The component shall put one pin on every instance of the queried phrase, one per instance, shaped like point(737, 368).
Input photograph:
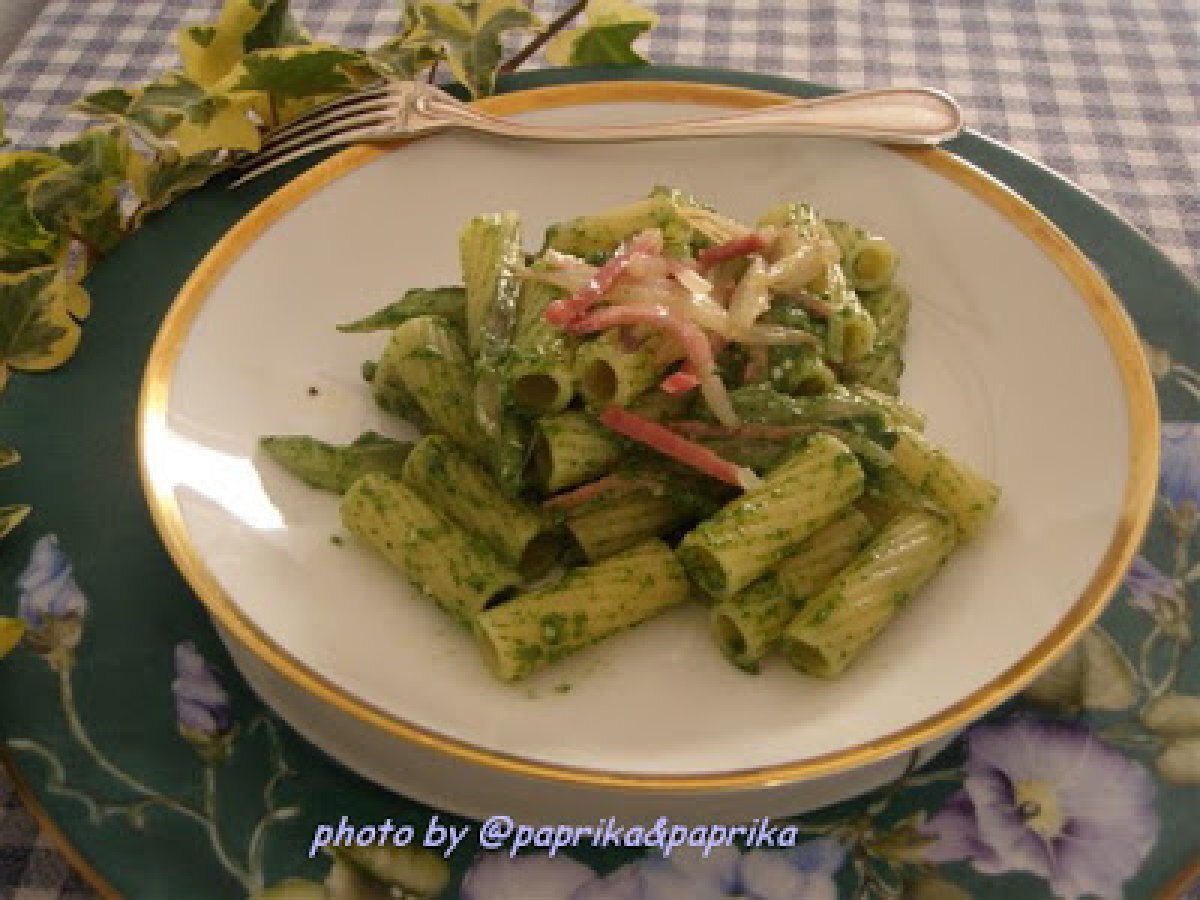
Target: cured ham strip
point(679, 448)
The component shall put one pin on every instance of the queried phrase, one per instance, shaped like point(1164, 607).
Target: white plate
point(1021, 357)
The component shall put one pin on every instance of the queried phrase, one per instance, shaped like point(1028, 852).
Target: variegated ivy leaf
point(83, 196)
point(470, 35)
point(297, 74)
point(158, 181)
point(11, 629)
point(8, 455)
point(606, 38)
point(24, 240)
point(37, 331)
point(409, 53)
point(180, 110)
point(210, 52)
point(10, 517)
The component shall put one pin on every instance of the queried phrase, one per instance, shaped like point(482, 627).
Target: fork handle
point(893, 115)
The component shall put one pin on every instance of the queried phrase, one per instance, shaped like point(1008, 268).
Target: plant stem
point(1144, 656)
point(214, 834)
point(76, 727)
point(561, 22)
point(280, 771)
point(1172, 672)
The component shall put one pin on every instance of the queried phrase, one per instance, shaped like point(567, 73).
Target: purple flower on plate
point(201, 704)
point(1159, 595)
point(50, 601)
point(47, 588)
point(805, 872)
point(1048, 798)
point(1179, 472)
point(1148, 587)
point(497, 876)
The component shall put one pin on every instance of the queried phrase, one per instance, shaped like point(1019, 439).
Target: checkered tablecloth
point(1107, 92)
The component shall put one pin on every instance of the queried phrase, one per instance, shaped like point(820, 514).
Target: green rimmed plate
point(109, 514)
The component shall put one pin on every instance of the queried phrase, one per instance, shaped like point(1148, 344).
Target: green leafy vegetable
point(450, 303)
point(607, 37)
point(333, 468)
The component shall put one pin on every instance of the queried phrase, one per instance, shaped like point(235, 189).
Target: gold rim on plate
point(1110, 317)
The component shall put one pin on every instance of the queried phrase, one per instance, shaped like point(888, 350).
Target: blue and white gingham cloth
point(1106, 92)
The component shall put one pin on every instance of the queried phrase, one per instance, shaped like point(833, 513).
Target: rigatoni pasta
point(757, 530)
point(448, 478)
point(459, 571)
point(591, 603)
point(749, 624)
point(836, 626)
point(661, 403)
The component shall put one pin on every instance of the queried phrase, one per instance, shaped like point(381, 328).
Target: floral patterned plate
point(129, 730)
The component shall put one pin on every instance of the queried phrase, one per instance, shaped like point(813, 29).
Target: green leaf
point(10, 518)
point(179, 110)
point(21, 232)
point(8, 455)
point(277, 28)
point(470, 34)
point(211, 52)
point(82, 197)
point(296, 73)
point(113, 101)
point(37, 331)
point(1179, 762)
point(402, 58)
point(1173, 714)
point(1094, 674)
point(158, 181)
point(607, 37)
point(11, 629)
point(102, 153)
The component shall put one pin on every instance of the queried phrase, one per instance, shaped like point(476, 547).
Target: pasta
point(613, 370)
point(449, 479)
point(838, 624)
point(967, 496)
point(662, 403)
point(572, 448)
point(611, 526)
point(425, 361)
point(460, 572)
point(754, 532)
point(543, 358)
point(539, 627)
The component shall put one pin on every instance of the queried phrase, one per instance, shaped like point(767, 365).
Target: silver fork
point(400, 109)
